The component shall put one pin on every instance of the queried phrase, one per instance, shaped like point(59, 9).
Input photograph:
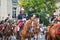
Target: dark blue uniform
point(21, 16)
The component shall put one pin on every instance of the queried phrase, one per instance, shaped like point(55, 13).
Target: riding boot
point(18, 35)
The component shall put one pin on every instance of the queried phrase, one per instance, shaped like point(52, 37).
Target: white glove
point(24, 19)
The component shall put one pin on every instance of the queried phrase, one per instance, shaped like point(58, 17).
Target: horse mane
point(58, 25)
point(26, 27)
point(55, 25)
point(27, 24)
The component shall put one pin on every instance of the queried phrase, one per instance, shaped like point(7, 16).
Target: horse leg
point(54, 38)
point(7, 38)
point(46, 36)
point(0, 38)
point(3, 37)
point(22, 38)
point(49, 37)
point(29, 38)
point(37, 37)
point(19, 38)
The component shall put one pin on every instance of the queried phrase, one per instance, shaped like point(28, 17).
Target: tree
point(41, 7)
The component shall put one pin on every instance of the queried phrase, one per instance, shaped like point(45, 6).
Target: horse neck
point(55, 25)
point(16, 26)
point(27, 25)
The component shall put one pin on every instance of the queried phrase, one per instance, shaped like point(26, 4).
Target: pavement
point(39, 37)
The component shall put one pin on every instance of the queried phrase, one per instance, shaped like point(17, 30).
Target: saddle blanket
point(58, 30)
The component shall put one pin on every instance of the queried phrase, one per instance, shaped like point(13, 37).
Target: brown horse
point(7, 30)
point(16, 27)
point(30, 28)
point(1, 31)
point(30, 25)
point(47, 35)
point(52, 31)
point(25, 31)
point(57, 32)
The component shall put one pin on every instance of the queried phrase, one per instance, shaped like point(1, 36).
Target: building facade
point(58, 6)
point(9, 8)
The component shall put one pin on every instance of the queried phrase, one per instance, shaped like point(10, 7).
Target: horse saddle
point(21, 23)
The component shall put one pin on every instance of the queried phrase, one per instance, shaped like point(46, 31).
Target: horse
point(17, 28)
point(1, 31)
point(52, 32)
point(27, 26)
point(31, 28)
point(47, 35)
point(7, 30)
point(37, 30)
point(26, 31)
point(57, 32)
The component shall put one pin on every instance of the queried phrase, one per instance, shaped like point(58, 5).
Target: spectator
point(1, 22)
point(6, 19)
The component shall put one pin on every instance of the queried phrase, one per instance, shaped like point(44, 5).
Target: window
point(14, 1)
point(14, 12)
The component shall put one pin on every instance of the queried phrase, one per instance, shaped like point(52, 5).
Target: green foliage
point(11, 21)
point(42, 7)
point(46, 5)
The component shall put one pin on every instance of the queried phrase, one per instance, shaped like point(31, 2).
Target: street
point(40, 38)
point(43, 37)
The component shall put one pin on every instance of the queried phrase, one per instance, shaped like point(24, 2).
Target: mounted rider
point(21, 20)
point(22, 17)
point(53, 17)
